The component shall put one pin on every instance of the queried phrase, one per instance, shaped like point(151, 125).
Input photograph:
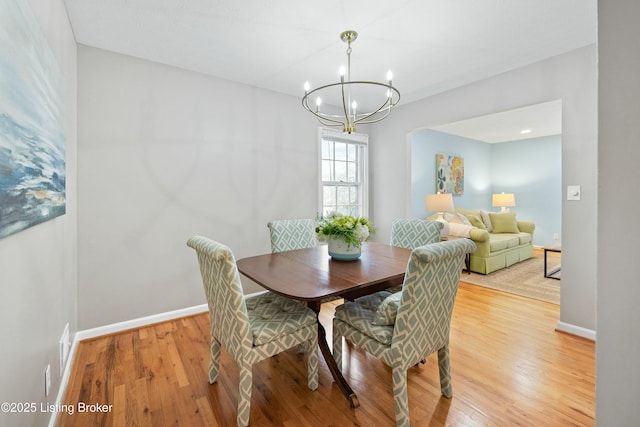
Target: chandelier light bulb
point(307, 86)
point(318, 101)
point(389, 76)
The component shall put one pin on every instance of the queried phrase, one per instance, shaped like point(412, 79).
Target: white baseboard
point(576, 330)
point(139, 322)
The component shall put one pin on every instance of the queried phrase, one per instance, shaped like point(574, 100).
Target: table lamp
point(440, 203)
point(503, 200)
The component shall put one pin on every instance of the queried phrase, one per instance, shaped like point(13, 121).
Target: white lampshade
point(440, 203)
point(503, 200)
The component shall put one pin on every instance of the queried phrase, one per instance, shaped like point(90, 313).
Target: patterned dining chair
point(410, 233)
point(250, 329)
point(408, 326)
point(291, 234)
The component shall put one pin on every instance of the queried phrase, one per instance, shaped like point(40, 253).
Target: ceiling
point(430, 45)
point(533, 121)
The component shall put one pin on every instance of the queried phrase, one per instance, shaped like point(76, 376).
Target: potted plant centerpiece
point(344, 234)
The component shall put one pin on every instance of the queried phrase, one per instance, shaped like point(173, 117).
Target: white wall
point(165, 154)
point(570, 77)
point(618, 349)
point(38, 266)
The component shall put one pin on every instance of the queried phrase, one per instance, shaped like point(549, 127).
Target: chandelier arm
point(376, 119)
point(326, 120)
point(387, 105)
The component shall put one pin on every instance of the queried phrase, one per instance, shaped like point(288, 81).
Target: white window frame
point(362, 141)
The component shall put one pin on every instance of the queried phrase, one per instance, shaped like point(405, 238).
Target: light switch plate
point(573, 192)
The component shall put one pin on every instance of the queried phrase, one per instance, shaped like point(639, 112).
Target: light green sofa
point(509, 243)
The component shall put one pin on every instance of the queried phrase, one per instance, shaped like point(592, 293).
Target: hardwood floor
point(509, 367)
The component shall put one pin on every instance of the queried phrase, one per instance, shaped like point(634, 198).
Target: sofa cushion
point(524, 238)
point(504, 222)
point(499, 242)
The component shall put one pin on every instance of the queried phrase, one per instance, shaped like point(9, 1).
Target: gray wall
point(240, 157)
point(165, 154)
point(571, 78)
point(38, 266)
point(618, 349)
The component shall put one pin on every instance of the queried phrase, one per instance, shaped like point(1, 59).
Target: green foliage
point(352, 230)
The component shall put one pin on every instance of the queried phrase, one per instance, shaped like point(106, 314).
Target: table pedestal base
point(331, 363)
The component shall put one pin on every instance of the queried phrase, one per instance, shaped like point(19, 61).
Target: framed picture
point(449, 174)
point(32, 139)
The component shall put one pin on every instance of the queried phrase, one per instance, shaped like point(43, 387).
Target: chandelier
point(347, 90)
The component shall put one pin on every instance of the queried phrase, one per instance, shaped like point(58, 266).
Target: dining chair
point(410, 233)
point(408, 326)
point(253, 328)
point(291, 234)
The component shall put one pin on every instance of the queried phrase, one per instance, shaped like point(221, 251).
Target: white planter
point(338, 249)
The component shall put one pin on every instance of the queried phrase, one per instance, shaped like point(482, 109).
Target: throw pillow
point(504, 222)
point(452, 217)
point(386, 313)
point(476, 221)
point(460, 230)
point(464, 219)
point(486, 220)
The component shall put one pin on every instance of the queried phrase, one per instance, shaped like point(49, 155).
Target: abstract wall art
point(449, 174)
point(32, 138)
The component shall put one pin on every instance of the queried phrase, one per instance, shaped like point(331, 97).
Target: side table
point(557, 247)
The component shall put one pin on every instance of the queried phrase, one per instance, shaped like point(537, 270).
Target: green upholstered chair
point(291, 234)
point(407, 327)
point(411, 233)
point(250, 329)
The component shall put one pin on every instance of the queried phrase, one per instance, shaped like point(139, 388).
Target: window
point(343, 173)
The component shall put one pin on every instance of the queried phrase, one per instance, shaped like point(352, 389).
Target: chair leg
point(214, 361)
point(445, 371)
point(312, 363)
point(337, 347)
point(244, 394)
point(400, 397)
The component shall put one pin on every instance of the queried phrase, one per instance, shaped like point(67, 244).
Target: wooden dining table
point(312, 276)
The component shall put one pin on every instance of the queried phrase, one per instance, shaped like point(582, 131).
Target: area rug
point(525, 278)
